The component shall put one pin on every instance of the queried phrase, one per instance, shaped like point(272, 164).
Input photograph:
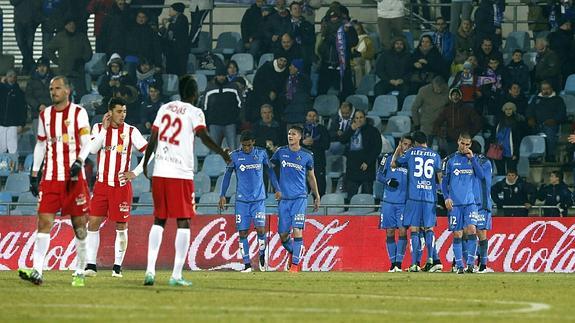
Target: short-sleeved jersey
point(482, 187)
point(249, 170)
point(394, 195)
point(176, 124)
point(61, 130)
point(422, 166)
point(115, 152)
point(459, 179)
point(293, 171)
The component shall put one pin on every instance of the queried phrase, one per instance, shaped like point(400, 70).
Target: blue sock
point(483, 251)
point(421, 246)
point(245, 250)
point(429, 243)
point(297, 243)
point(458, 252)
point(464, 246)
point(391, 249)
point(414, 248)
point(288, 245)
point(471, 249)
point(435, 254)
point(262, 243)
point(400, 252)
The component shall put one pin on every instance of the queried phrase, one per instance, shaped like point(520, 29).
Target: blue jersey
point(483, 185)
point(294, 166)
point(459, 176)
point(385, 173)
point(422, 166)
point(249, 170)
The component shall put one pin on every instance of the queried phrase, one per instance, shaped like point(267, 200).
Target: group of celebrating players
point(65, 140)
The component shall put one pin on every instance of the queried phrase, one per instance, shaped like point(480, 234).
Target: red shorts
point(112, 201)
point(173, 198)
point(70, 197)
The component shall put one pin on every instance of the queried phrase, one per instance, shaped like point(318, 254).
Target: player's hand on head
point(449, 204)
point(106, 120)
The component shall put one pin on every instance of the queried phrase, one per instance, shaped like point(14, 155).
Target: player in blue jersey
point(295, 166)
point(423, 173)
point(394, 180)
point(460, 170)
point(249, 163)
point(484, 204)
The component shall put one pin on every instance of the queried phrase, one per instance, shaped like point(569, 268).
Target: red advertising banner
point(332, 243)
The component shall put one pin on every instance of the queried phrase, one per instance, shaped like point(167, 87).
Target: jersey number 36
point(423, 168)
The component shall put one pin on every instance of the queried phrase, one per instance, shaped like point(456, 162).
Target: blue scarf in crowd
point(340, 45)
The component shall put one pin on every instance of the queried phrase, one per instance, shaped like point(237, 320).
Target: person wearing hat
point(466, 82)
point(508, 134)
point(222, 104)
point(562, 43)
point(114, 78)
point(38, 87)
point(176, 39)
point(455, 119)
point(13, 112)
point(297, 95)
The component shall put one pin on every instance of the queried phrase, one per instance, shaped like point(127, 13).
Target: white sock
point(92, 246)
point(182, 244)
point(40, 249)
point(80, 255)
point(120, 246)
point(154, 243)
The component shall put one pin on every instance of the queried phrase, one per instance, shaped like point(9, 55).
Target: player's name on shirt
point(419, 152)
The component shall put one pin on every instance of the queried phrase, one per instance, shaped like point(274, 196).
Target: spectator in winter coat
point(393, 69)
point(464, 39)
point(363, 54)
point(115, 28)
point(516, 96)
point(13, 113)
point(548, 66)
point(38, 87)
point(114, 78)
point(508, 134)
point(556, 193)
point(252, 28)
point(338, 125)
point(513, 191)
point(176, 40)
point(100, 9)
point(142, 43)
point(150, 106)
point(390, 15)
point(316, 139)
point(486, 51)
point(444, 40)
point(490, 83)
point(429, 102)
point(147, 74)
point(26, 20)
point(269, 87)
point(297, 94)
point(488, 19)
point(268, 133)
point(562, 43)
point(426, 63)
point(517, 72)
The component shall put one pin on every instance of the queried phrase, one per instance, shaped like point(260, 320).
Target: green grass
point(283, 297)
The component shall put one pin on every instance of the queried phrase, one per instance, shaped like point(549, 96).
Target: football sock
point(421, 246)
point(297, 244)
point(154, 243)
point(92, 245)
point(40, 249)
point(120, 246)
point(483, 251)
point(288, 245)
point(401, 244)
point(464, 246)
point(80, 255)
point(471, 249)
point(391, 249)
point(414, 248)
point(262, 243)
point(245, 250)
point(458, 252)
point(182, 244)
point(429, 243)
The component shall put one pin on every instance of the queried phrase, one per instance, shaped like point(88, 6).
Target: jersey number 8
point(423, 168)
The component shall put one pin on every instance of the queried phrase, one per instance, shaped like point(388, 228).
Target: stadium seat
point(569, 85)
point(407, 105)
point(140, 185)
point(214, 165)
point(378, 190)
point(366, 85)
point(208, 198)
point(267, 57)
point(202, 81)
point(532, 147)
point(26, 144)
point(397, 126)
point(375, 121)
point(569, 103)
point(523, 166)
point(333, 198)
point(204, 44)
point(192, 64)
point(384, 106)
point(5, 198)
point(28, 162)
point(144, 198)
point(517, 40)
point(359, 101)
point(529, 59)
point(29, 209)
point(96, 66)
point(96, 119)
point(481, 141)
point(171, 84)
point(335, 166)
point(200, 149)
point(91, 102)
point(250, 77)
point(409, 38)
point(387, 144)
point(202, 184)
point(271, 204)
point(231, 188)
point(8, 164)
point(245, 62)
point(361, 199)
point(17, 184)
point(326, 105)
point(227, 42)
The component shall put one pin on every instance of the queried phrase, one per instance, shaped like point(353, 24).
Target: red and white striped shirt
point(61, 130)
point(115, 151)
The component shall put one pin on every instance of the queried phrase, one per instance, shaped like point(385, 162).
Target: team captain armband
point(84, 131)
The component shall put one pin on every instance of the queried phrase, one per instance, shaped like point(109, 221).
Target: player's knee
point(121, 226)
point(183, 223)
point(243, 233)
point(390, 233)
point(284, 236)
point(160, 222)
point(81, 232)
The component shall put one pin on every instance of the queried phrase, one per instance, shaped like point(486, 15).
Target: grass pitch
point(283, 297)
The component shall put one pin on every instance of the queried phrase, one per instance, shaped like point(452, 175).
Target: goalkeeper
point(393, 204)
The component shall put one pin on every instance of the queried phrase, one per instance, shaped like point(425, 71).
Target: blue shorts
point(462, 216)
point(248, 211)
point(419, 214)
point(291, 214)
point(484, 220)
point(391, 216)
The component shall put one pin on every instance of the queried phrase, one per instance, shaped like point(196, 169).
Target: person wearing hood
point(426, 63)
point(556, 193)
point(316, 138)
point(38, 87)
point(393, 68)
point(269, 87)
point(508, 134)
point(222, 105)
point(545, 113)
point(147, 74)
point(517, 72)
point(175, 32)
point(454, 119)
point(70, 50)
point(114, 78)
point(513, 190)
point(466, 82)
point(115, 28)
point(297, 94)
point(13, 112)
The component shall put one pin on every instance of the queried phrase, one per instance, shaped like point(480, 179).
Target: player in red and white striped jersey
point(173, 132)
point(62, 131)
point(112, 140)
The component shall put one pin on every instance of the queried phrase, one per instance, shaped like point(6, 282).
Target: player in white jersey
point(112, 140)
point(172, 140)
point(63, 129)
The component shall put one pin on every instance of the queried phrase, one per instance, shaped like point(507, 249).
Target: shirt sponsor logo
point(424, 185)
point(250, 166)
point(292, 165)
point(124, 207)
point(458, 172)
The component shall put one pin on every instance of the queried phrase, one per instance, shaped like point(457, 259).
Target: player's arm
point(205, 137)
point(445, 186)
point(225, 184)
point(477, 169)
point(150, 149)
point(313, 185)
point(382, 169)
point(140, 143)
point(274, 161)
point(273, 178)
point(85, 139)
point(98, 136)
